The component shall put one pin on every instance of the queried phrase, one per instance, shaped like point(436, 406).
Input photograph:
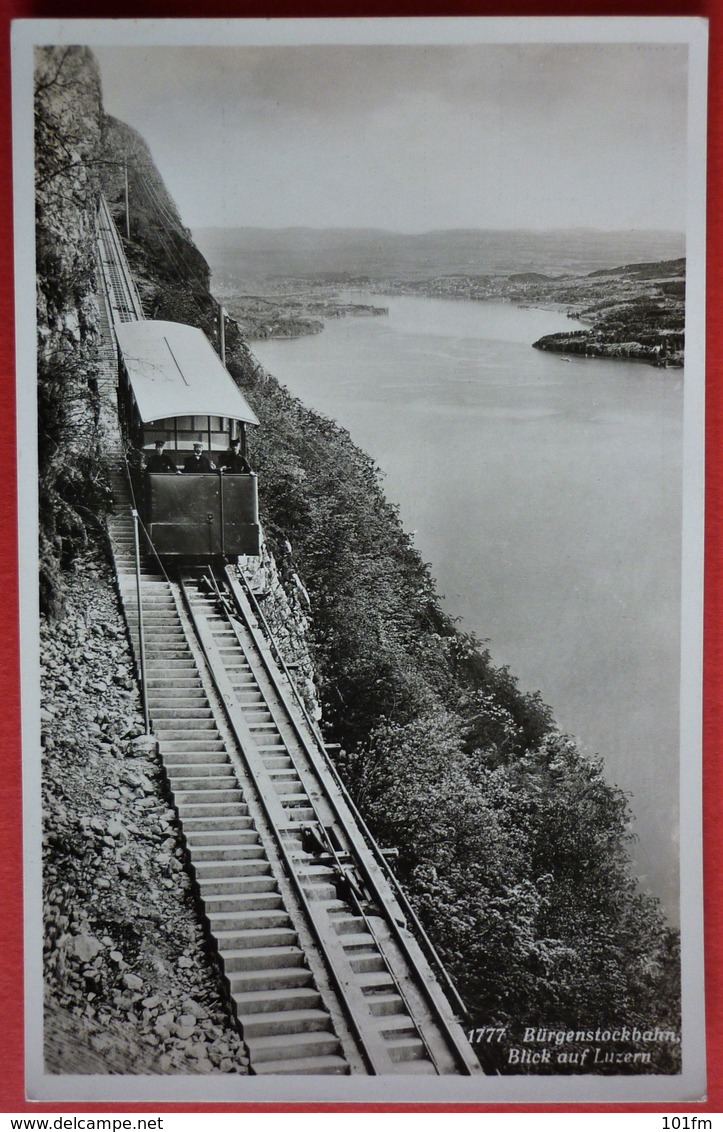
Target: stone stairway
point(285, 1024)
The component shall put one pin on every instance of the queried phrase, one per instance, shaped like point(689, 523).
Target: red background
point(12, 1093)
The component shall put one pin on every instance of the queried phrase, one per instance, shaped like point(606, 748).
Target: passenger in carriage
point(197, 462)
point(159, 461)
point(233, 462)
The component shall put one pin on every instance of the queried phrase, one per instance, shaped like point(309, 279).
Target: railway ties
point(353, 912)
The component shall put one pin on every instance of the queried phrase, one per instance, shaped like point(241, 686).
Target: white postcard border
point(690, 1085)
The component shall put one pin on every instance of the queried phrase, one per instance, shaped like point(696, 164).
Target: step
point(251, 1004)
point(190, 773)
point(284, 1022)
point(230, 871)
point(168, 695)
point(189, 762)
point(200, 839)
point(177, 708)
point(346, 924)
point(319, 891)
point(178, 746)
point(398, 1026)
point(375, 980)
point(384, 1004)
point(168, 684)
point(212, 810)
point(366, 963)
point(419, 1068)
point(216, 854)
point(278, 762)
point(407, 1049)
point(237, 904)
point(252, 919)
point(249, 939)
point(214, 822)
point(283, 1047)
point(281, 774)
point(157, 652)
point(257, 959)
point(275, 979)
point(175, 713)
point(210, 796)
point(235, 885)
point(202, 730)
point(358, 941)
point(301, 814)
point(190, 779)
point(316, 1066)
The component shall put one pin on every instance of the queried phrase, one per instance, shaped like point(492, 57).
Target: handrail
point(141, 633)
point(379, 857)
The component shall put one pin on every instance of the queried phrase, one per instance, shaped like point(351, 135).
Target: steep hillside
point(67, 135)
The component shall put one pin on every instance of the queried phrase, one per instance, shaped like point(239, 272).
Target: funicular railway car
point(173, 387)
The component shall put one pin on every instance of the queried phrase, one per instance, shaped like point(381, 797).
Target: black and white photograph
point(360, 448)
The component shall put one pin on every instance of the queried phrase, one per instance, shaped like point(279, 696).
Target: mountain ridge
point(305, 252)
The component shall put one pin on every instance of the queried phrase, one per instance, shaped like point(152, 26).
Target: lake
point(546, 493)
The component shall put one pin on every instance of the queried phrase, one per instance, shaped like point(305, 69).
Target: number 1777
point(486, 1034)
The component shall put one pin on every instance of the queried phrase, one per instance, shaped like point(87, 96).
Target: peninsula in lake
point(627, 288)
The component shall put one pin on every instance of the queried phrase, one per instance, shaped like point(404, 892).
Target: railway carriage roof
point(175, 372)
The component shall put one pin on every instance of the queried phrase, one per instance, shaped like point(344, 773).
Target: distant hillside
point(333, 254)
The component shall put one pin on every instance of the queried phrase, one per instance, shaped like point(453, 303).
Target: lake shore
point(552, 559)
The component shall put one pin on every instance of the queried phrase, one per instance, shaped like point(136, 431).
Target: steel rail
point(313, 755)
point(428, 946)
point(124, 283)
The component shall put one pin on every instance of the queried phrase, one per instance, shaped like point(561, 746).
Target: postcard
point(360, 440)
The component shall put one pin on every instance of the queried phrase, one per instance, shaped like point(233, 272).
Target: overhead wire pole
point(128, 215)
point(222, 333)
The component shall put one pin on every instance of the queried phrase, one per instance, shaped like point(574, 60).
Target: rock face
point(71, 477)
point(165, 262)
point(67, 135)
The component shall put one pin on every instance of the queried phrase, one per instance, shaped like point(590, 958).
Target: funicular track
point(313, 936)
point(327, 969)
point(120, 290)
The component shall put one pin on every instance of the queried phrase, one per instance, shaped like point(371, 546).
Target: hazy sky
point(412, 138)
